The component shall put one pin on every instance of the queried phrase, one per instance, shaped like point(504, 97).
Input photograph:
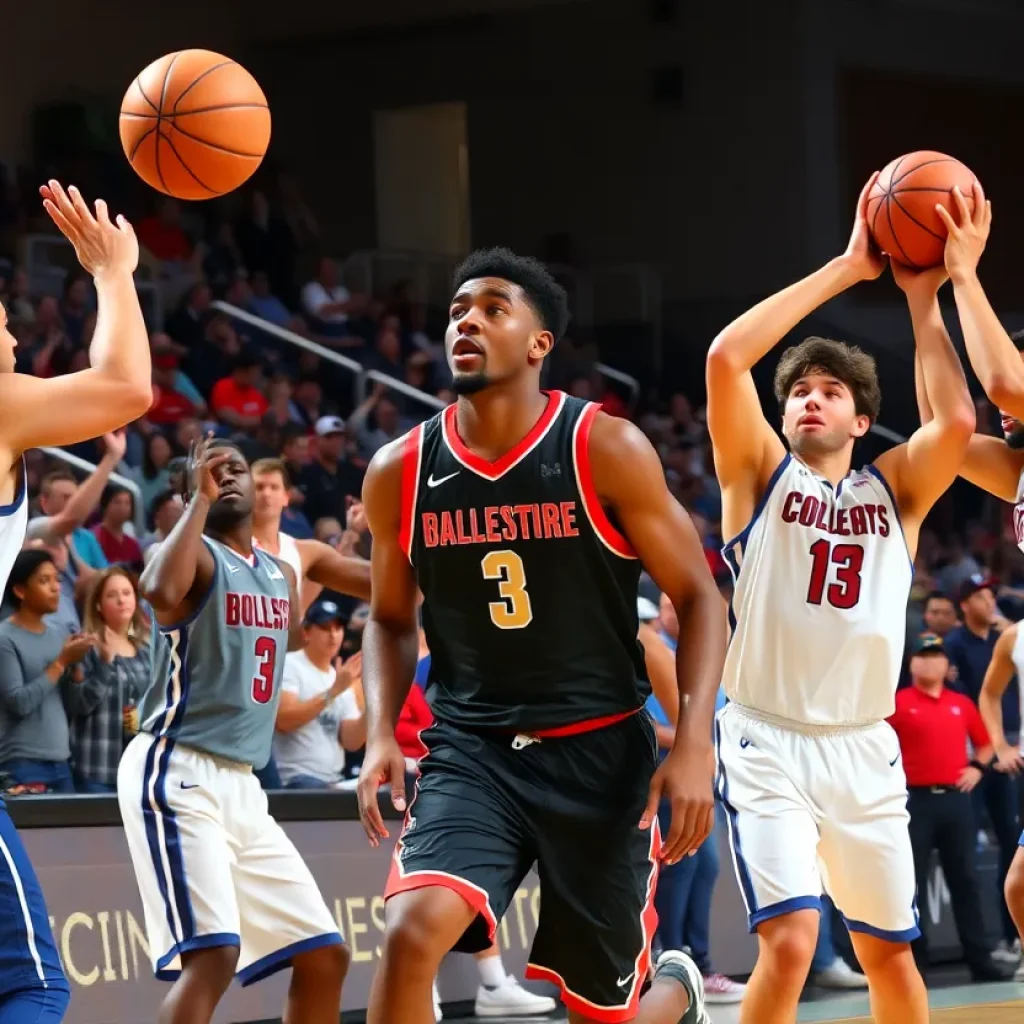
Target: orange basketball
point(195, 124)
point(901, 206)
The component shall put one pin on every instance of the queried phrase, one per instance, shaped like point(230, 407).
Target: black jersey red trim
point(412, 456)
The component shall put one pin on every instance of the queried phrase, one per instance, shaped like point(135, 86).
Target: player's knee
point(211, 968)
point(420, 931)
point(887, 964)
point(787, 943)
point(325, 966)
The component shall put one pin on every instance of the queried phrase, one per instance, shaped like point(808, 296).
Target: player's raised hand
point(685, 779)
point(101, 245)
point(967, 233)
point(383, 762)
point(919, 282)
point(862, 256)
point(203, 460)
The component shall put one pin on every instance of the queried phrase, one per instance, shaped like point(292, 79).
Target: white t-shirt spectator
point(315, 296)
point(314, 748)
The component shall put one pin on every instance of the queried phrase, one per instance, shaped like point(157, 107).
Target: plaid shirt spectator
point(95, 710)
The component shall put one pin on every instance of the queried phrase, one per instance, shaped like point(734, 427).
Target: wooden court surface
point(993, 1013)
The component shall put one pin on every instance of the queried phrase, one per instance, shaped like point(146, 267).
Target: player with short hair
point(523, 516)
point(809, 770)
point(994, 464)
point(224, 890)
point(115, 389)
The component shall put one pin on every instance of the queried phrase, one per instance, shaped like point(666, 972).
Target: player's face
point(235, 500)
point(117, 602)
point(493, 334)
point(8, 343)
point(271, 498)
point(41, 593)
point(929, 668)
point(820, 416)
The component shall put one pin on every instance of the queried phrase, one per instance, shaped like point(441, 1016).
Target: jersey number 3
point(266, 662)
point(848, 560)
point(514, 610)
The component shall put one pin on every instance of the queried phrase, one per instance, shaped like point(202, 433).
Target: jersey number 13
point(848, 560)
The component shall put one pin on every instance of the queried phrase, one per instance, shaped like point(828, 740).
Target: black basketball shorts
point(488, 807)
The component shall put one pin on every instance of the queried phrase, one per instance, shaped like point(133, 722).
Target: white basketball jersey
point(288, 551)
point(1017, 656)
point(819, 609)
point(1018, 513)
point(13, 526)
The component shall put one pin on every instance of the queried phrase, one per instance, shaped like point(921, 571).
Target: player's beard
point(1015, 438)
point(470, 383)
point(224, 516)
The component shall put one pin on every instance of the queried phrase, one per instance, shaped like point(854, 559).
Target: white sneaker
point(510, 999)
point(1007, 954)
point(1019, 976)
point(437, 1003)
point(840, 975)
point(720, 989)
point(693, 975)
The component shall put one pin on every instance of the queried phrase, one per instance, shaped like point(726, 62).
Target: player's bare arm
point(746, 448)
point(181, 571)
point(390, 639)
point(323, 565)
point(921, 470)
point(631, 483)
point(295, 638)
point(989, 463)
point(998, 675)
point(117, 386)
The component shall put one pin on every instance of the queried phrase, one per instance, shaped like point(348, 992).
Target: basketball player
point(523, 516)
point(994, 464)
point(809, 770)
point(315, 564)
point(224, 890)
point(114, 390)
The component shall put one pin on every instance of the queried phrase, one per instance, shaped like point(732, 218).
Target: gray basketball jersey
point(217, 676)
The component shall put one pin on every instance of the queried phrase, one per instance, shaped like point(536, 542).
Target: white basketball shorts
point(213, 867)
point(814, 812)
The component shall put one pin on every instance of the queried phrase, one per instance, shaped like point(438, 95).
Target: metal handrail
point(623, 378)
point(122, 481)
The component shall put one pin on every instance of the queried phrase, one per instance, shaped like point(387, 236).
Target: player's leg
point(284, 921)
point(598, 873)
point(460, 859)
point(1015, 888)
point(182, 862)
point(35, 1006)
point(774, 836)
point(869, 867)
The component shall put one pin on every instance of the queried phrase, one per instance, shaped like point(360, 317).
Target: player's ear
point(541, 344)
point(861, 425)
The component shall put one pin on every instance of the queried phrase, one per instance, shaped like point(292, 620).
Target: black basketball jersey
point(530, 591)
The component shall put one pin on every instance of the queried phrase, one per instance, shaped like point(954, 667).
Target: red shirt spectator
point(236, 399)
point(415, 717)
point(934, 724)
point(119, 547)
point(169, 405)
point(162, 235)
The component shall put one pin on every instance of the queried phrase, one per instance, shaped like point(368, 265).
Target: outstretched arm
point(630, 481)
point(746, 448)
point(921, 470)
point(116, 388)
point(390, 639)
point(323, 565)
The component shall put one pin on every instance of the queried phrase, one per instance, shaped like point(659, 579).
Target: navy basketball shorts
point(489, 805)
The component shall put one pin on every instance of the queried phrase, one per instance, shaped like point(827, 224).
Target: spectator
point(318, 718)
point(162, 235)
point(170, 406)
point(326, 301)
point(161, 344)
point(20, 311)
point(390, 424)
point(237, 400)
point(959, 568)
point(386, 355)
point(121, 548)
point(933, 725)
point(264, 304)
point(308, 399)
point(267, 244)
point(969, 648)
point(330, 477)
point(222, 262)
point(101, 708)
point(155, 476)
point(34, 658)
point(282, 407)
point(212, 357)
point(76, 308)
point(165, 511)
point(186, 324)
point(939, 614)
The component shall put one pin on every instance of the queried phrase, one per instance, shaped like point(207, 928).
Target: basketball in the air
point(195, 124)
point(901, 206)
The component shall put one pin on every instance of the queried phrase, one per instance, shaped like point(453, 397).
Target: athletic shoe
point(1019, 976)
point(435, 995)
point(720, 989)
point(510, 999)
point(1007, 954)
point(840, 975)
point(675, 964)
